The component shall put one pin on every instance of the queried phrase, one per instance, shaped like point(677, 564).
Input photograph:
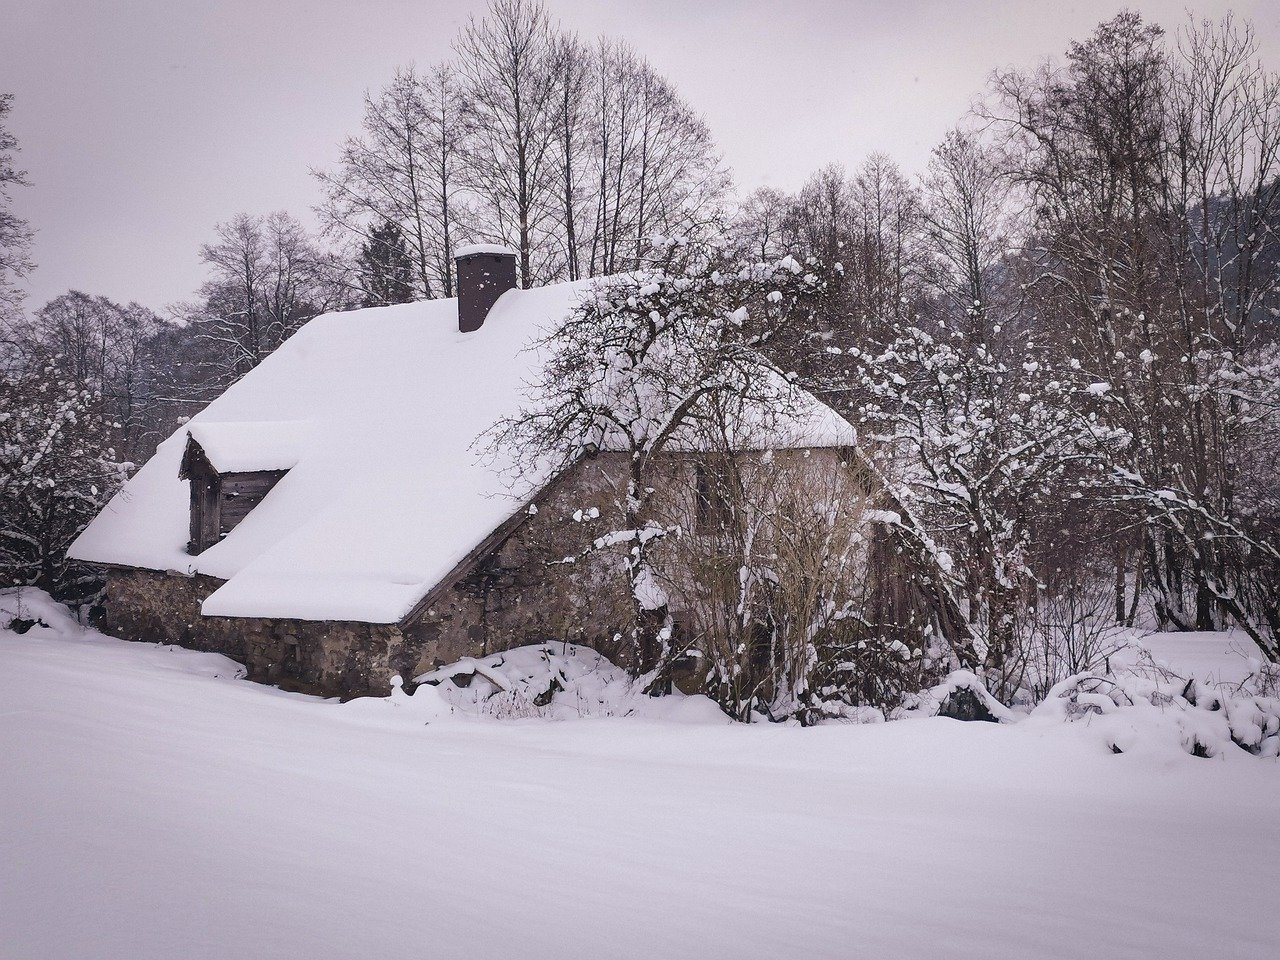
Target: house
point(330, 520)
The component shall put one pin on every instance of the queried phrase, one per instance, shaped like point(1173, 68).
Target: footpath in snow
point(154, 805)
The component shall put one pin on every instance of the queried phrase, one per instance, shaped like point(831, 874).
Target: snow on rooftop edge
point(475, 249)
point(241, 446)
point(384, 494)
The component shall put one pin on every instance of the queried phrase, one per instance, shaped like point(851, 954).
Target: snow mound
point(1141, 704)
point(27, 608)
point(557, 681)
point(1150, 708)
point(961, 695)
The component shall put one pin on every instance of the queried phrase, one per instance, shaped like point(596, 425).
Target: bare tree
point(883, 266)
point(404, 170)
point(507, 64)
point(821, 218)
point(968, 228)
point(572, 68)
point(268, 278)
point(759, 226)
point(866, 228)
point(656, 171)
point(15, 236)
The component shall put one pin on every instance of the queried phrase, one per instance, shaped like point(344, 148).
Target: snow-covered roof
point(240, 446)
point(374, 413)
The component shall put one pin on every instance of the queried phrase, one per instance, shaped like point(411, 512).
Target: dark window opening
point(761, 646)
point(713, 507)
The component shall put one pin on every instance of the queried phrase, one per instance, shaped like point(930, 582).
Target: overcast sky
point(145, 122)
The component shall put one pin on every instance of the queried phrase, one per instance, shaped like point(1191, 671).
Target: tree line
point(1060, 343)
point(1060, 346)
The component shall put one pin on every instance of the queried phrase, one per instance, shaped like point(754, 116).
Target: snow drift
point(154, 807)
point(554, 681)
point(1152, 707)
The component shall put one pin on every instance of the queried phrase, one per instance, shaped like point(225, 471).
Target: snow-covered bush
point(961, 695)
point(976, 440)
point(552, 681)
point(22, 608)
point(1151, 704)
point(57, 470)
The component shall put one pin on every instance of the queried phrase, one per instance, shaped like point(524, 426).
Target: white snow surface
point(556, 681)
point(154, 806)
point(1223, 657)
point(377, 412)
point(246, 446)
point(471, 249)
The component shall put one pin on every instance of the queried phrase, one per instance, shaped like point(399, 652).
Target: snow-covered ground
point(154, 806)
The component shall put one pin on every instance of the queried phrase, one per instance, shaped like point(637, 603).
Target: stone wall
point(331, 658)
point(539, 585)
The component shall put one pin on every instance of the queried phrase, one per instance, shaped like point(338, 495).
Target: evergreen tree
point(386, 267)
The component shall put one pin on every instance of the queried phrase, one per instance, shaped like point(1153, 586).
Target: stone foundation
point(331, 658)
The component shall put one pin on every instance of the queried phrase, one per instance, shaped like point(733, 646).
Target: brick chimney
point(485, 272)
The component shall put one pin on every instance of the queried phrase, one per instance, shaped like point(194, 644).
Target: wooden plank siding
point(240, 493)
point(219, 501)
point(204, 512)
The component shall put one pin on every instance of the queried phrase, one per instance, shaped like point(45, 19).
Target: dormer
point(231, 468)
